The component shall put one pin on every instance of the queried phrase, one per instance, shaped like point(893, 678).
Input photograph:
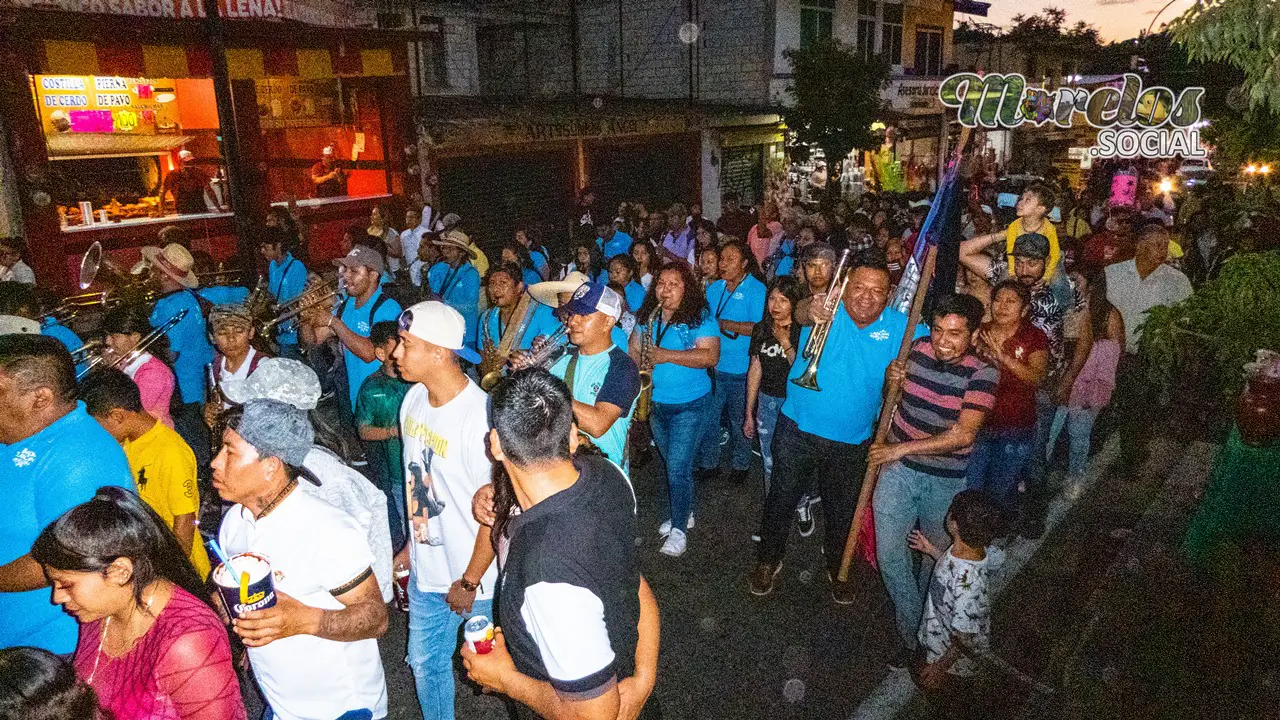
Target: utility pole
point(240, 212)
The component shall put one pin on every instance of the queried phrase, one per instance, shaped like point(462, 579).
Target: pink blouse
point(1097, 379)
point(180, 670)
point(764, 246)
point(155, 381)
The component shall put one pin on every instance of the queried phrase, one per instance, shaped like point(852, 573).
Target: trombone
point(101, 359)
point(320, 293)
point(821, 331)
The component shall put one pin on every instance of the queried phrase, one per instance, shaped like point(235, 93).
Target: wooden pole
point(886, 417)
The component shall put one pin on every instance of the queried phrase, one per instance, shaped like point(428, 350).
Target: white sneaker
point(665, 528)
point(675, 544)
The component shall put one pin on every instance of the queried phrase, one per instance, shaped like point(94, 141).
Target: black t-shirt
point(774, 365)
point(568, 593)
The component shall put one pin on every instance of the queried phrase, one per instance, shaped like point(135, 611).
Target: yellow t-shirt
point(164, 469)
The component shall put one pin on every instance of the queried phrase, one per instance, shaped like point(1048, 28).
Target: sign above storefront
point(471, 133)
point(105, 104)
point(1132, 121)
point(330, 13)
point(914, 97)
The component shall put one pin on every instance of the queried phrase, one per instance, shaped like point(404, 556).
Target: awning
point(972, 7)
point(130, 59)
point(75, 145)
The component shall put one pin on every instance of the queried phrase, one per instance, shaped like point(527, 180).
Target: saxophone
point(644, 403)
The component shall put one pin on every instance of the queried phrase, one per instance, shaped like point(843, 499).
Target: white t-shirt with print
point(445, 463)
point(313, 547)
point(959, 600)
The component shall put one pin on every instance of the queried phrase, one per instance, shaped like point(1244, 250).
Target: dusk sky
point(1115, 19)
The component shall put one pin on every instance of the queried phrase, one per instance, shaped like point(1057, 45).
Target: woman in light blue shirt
point(679, 341)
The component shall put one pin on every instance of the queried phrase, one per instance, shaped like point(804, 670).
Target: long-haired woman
point(642, 253)
point(123, 328)
point(773, 349)
point(149, 646)
point(681, 342)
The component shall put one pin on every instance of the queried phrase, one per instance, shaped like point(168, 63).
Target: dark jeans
point(998, 462)
point(729, 398)
point(1134, 410)
point(802, 461)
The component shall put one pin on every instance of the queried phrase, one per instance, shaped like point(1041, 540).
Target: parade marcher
point(315, 652)
point(677, 340)
point(831, 427)
point(624, 281)
point(677, 241)
point(571, 587)
point(602, 377)
point(774, 346)
point(327, 177)
point(149, 644)
point(518, 255)
point(286, 280)
point(946, 392)
point(123, 328)
point(611, 240)
point(707, 269)
point(188, 184)
point(1019, 350)
point(737, 303)
point(506, 291)
point(1134, 287)
point(163, 467)
point(189, 347)
point(537, 253)
point(378, 422)
point(231, 327)
point(353, 319)
point(57, 458)
point(19, 299)
point(443, 424)
point(455, 282)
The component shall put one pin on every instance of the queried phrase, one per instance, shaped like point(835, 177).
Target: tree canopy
point(1243, 33)
point(836, 97)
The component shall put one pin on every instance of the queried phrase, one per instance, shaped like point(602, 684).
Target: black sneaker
point(804, 517)
point(702, 475)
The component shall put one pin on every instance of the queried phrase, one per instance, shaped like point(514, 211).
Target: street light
point(1264, 169)
point(1166, 186)
point(1251, 169)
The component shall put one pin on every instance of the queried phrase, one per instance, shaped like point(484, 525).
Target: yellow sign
point(103, 104)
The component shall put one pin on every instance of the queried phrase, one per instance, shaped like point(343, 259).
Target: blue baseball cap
point(593, 297)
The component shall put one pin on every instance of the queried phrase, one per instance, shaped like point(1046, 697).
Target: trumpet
point(320, 293)
point(103, 359)
point(644, 403)
point(546, 351)
point(818, 337)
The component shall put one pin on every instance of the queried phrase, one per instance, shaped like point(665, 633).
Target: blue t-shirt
point(619, 244)
point(286, 279)
point(530, 277)
point(851, 377)
point(620, 336)
point(459, 288)
point(543, 322)
point(64, 335)
point(611, 377)
point(785, 266)
point(676, 384)
point(539, 262)
point(744, 304)
point(42, 477)
point(634, 296)
point(224, 294)
point(188, 342)
point(360, 320)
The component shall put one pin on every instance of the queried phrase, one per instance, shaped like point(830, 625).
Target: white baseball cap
point(328, 150)
point(593, 297)
point(186, 154)
point(438, 324)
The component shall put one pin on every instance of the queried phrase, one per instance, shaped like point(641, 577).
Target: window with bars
point(891, 33)
point(866, 46)
point(928, 51)
point(816, 20)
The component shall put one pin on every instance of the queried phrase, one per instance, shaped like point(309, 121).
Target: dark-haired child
point(378, 418)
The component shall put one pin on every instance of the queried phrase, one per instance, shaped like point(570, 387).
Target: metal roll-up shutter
point(494, 194)
point(742, 171)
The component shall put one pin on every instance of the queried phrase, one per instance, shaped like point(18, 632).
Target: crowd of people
point(450, 430)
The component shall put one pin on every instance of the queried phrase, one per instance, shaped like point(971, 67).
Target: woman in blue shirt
point(518, 255)
point(622, 278)
point(679, 342)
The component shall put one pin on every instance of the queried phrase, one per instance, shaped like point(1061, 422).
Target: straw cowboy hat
point(458, 239)
point(548, 293)
point(174, 261)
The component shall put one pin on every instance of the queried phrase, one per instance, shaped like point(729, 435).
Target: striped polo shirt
point(932, 397)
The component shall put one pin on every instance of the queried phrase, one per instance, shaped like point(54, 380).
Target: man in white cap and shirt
point(188, 184)
point(443, 425)
point(329, 179)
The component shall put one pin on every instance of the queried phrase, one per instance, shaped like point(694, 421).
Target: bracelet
point(467, 584)
point(329, 324)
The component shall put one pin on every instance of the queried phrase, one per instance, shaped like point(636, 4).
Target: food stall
point(114, 126)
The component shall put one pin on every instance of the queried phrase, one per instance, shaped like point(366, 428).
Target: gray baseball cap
point(282, 379)
point(277, 429)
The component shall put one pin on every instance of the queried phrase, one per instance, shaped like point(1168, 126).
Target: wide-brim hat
point(548, 293)
point(458, 239)
point(172, 260)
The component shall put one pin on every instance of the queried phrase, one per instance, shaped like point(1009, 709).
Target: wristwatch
point(468, 585)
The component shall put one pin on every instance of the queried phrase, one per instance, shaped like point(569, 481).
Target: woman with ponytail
point(149, 646)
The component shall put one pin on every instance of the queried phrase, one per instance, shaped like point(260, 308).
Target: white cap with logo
point(438, 324)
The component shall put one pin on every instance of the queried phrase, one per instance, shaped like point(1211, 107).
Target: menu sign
point(105, 104)
point(333, 13)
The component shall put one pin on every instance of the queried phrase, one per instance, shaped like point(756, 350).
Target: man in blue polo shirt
point(737, 302)
point(55, 457)
point(455, 281)
point(823, 435)
point(611, 240)
point(603, 378)
point(286, 279)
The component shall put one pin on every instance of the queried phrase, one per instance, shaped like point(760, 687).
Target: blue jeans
point(906, 498)
point(433, 640)
point(364, 714)
point(1079, 424)
point(1036, 501)
point(677, 431)
point(998, 462)
point(768, 408)
point(729, 391)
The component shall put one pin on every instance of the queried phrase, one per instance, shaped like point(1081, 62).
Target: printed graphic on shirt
point(424, 503)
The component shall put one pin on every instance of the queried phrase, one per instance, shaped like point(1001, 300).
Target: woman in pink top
point(763, 237)
point(149, 647)
point(125, 327)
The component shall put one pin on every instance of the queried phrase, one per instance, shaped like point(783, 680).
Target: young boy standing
point(378, 418)
point(956, 625)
